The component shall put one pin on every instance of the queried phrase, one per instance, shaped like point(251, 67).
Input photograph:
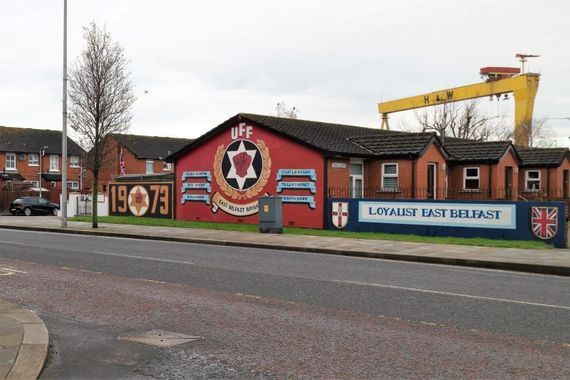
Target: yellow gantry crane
point(500, 80)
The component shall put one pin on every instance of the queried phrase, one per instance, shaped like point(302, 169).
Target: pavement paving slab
point(23, 343)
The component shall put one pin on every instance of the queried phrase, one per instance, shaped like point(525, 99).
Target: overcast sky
point(204, 61)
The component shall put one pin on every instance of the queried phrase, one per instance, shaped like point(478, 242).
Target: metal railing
point(447, 193)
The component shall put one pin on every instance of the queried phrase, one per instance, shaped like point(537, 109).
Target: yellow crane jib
point(500, 80)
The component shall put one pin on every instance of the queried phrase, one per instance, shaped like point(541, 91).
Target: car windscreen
point(19, 200)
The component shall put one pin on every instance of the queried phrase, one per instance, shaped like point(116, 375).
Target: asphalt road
point(279, 313)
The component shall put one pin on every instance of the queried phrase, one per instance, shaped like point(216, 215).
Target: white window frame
point(71, 163)
point(478, 178)
point(167, 166)
point(71, 183)
point(354, 177)
point(526, 179)
point(12, 159)
point(37, 160)
point(53, 168)
point(151, 162)
point(390, 175)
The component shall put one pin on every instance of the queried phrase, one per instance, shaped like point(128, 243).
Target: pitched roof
point(155, 147)
point(28, 140)
point(476, 151)
point(542, 156)
point(396, 144)
point(329, 138)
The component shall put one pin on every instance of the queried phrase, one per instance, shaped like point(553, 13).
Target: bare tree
point(539, 134)
point(101, 95)
point(283, 111)
point(464, 121)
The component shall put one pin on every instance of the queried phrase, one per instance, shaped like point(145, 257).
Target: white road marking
point(14, 270)
point(14, 243)
point(9, 271)
point(142, 258)
point(454, 294)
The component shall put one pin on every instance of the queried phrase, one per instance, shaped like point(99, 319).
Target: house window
point(149, 166)
point(471, 178)
point(389, 176)
point(53, 163)
point(167, 166)
point(73, 185)
point(10, 161)
point(53, 184)
point(532, 180)
point(356, 179)
point(33, 159)
point(74, 161)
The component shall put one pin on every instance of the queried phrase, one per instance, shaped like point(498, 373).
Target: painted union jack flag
point(544, 222)
point(122, 168)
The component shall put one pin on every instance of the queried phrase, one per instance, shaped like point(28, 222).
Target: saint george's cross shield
point(340, 214)
point(544, 222)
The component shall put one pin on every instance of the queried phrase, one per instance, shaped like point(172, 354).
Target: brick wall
point(498, 177)
point(432, 155)
point(338, 177)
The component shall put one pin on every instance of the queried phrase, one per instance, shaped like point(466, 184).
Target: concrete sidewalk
point(548, 261)
point(23, 343)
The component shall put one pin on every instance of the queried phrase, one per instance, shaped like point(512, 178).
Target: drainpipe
point(490, 178)
point(325, 190)
point(548, 183)
point(413, 192)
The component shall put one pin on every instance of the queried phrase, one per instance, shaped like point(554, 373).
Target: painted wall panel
point(221, 179)
point(506, 220)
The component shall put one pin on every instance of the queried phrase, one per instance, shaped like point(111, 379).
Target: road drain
point(160, 338)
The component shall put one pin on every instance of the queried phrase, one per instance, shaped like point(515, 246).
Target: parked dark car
point(33, 205)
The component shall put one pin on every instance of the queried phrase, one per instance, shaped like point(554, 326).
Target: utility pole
point(64, 132)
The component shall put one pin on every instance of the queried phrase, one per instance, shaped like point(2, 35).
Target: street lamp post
point(42, 153)
point(64, 132)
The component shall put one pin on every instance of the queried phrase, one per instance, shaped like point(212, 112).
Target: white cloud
point(202, 62)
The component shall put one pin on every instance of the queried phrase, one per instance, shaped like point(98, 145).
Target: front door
point(431, 181)
point(565, 184)
point(508, 182)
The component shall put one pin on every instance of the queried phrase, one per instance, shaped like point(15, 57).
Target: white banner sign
point(439, 214)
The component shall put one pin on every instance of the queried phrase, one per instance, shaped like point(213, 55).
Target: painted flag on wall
point(122, 168)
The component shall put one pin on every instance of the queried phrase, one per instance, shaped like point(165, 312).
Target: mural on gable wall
point(222, 179)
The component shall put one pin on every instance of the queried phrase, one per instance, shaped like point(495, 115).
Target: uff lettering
point(241, 130)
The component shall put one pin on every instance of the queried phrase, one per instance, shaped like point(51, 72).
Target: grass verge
point(314, 232)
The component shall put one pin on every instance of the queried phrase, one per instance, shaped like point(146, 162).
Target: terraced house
point(30, 160)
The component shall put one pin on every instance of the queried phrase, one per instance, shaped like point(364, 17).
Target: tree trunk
point(94, 202)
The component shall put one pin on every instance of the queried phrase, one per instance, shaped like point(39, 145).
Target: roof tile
point(154, 147)
point(28, 140)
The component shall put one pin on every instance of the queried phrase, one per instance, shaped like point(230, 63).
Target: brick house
point(482, 169)
point(544, 173)
point(138, 154)
point(31, 158)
